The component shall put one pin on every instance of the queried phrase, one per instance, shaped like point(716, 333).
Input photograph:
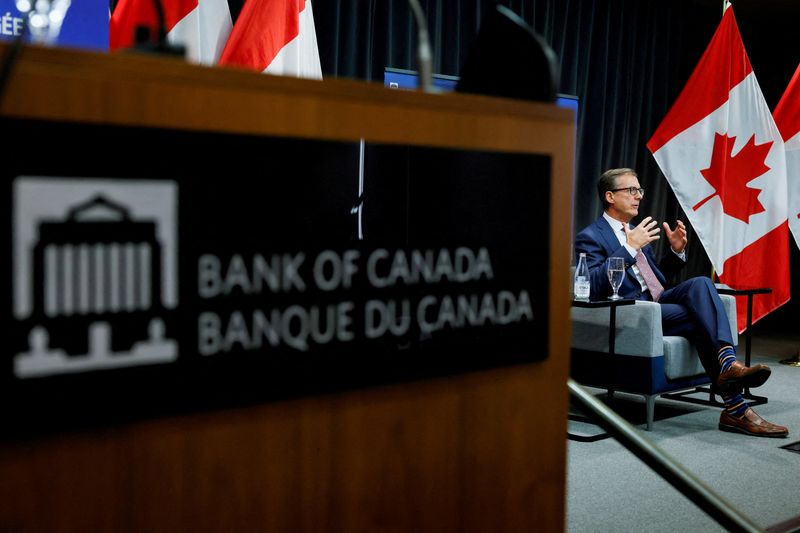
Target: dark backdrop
point(626, 60)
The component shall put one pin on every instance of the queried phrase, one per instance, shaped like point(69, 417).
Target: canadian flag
point(723, 156)
point(275, 37)
point(203, 26)
point(787, 118)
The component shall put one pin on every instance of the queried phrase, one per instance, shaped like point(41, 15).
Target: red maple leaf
point(730, 175)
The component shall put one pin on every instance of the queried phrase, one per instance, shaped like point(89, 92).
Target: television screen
point(85, 24)
point(396, 78)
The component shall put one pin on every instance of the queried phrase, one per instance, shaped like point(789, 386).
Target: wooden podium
point(482, 450)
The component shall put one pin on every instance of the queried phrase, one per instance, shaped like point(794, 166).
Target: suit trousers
point(693, 309)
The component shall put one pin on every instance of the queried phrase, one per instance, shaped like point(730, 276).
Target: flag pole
point(725, 4)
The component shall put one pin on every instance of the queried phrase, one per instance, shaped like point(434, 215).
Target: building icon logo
point(94, 274)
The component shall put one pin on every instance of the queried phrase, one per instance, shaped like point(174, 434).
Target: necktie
point(653, 285)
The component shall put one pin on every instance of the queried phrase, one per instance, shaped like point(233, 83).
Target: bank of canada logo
point(95, 273)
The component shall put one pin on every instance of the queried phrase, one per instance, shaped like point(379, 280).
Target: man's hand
point(643, 234)
point(677, 237)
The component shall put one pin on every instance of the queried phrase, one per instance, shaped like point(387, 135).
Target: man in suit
point(691, 309)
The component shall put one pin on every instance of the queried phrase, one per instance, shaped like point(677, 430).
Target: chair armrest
point(638, 329)
point(730, 309)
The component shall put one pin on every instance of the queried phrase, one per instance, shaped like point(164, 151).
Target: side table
point(749, 292)
point(612, 339)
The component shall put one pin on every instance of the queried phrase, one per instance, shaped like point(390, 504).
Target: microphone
point(424, 54)
point(509, 59)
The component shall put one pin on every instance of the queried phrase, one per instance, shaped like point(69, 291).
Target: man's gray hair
point(608, 182)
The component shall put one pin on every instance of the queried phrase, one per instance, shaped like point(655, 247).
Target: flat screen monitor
point(85, 24)
point(396, 78)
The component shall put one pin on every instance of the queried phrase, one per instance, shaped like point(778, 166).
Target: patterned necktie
point(653, 285)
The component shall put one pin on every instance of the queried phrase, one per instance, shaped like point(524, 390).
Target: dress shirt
point(619, 231)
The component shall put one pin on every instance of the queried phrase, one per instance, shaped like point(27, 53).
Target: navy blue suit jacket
point(599, 243)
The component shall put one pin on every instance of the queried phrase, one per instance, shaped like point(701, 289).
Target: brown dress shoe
point(751, 424)
point(739, 376)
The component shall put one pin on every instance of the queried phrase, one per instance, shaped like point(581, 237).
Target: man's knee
point(702, 283)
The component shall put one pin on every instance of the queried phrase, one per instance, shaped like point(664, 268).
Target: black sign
point(155, 271)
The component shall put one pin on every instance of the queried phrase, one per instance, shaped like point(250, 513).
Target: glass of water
point(616, 273)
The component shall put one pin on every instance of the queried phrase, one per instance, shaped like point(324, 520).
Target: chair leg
point(650, 402)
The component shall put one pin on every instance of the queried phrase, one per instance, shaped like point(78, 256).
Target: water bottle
point(582, 279)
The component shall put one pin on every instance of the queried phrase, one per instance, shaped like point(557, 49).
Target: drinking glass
point(616, 273)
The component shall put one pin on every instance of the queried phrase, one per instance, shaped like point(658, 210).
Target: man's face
point(623, 205)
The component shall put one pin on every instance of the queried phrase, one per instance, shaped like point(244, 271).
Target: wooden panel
point(472, 453)
point(477, 452)
point(145, 91)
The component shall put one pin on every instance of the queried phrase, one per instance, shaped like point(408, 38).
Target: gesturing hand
point(643, 234)
point(677, 237)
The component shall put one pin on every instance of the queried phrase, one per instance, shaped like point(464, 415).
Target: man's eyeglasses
point(632, 190)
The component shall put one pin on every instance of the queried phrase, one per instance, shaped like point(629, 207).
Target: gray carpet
point(608, 489)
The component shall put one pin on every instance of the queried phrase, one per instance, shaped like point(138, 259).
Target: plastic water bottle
point(582, 279)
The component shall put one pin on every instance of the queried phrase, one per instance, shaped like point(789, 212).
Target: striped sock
point(735, 405)
point(726, 357)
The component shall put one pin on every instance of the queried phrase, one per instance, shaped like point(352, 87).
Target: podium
point(455, 423)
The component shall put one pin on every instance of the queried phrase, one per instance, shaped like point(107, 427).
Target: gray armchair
point(647, 362)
